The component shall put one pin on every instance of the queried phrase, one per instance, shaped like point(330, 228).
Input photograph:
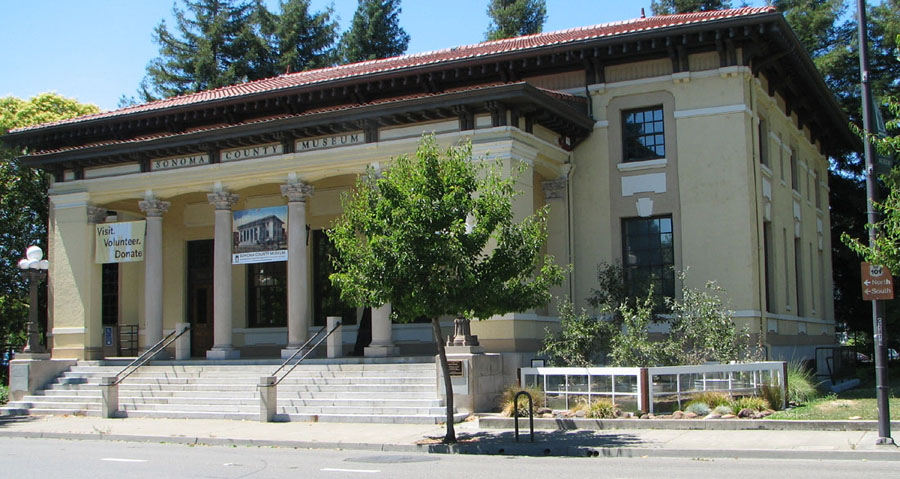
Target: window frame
point(663, 268)
point(256, 305)
point(629, 156)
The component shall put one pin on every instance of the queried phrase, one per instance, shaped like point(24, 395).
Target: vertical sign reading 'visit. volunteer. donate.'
point(120, 242)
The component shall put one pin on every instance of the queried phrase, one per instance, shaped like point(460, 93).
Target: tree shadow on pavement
point(546, 443)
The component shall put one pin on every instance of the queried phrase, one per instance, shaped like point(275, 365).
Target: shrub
point(723, 409)
point(506, 400)
point(774, 395)
point(713, 399)
point(698, 408)
point(4, 394)
point(598, 409)
point(749, 402)
point(801, 386)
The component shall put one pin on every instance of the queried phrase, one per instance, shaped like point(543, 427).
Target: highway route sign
point(877, 282)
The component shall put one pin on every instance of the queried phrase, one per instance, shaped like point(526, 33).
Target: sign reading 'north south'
point(877, 282)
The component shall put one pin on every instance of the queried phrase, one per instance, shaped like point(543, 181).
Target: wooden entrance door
point(200, 295)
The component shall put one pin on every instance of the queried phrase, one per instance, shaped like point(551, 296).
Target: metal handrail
point(148, 354)
point(299, 350)
point(307, 353)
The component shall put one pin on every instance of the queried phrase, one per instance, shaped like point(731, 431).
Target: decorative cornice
point(295, 192)
point(222, 199)
point(154, 207)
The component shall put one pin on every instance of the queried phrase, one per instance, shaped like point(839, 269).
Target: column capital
point(222, 199)
point(154, 207)
point(554, 189)
point(296, 191)
point(96, 214)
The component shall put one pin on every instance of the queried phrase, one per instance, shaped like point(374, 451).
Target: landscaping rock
point(677, 415)
point(746, 412)
point(544, 410)
point(712, 416)
point(729, 416)
point(579, 413)
point(690, 415)
point(766, 413)
point(547, 415)
point(648, 416)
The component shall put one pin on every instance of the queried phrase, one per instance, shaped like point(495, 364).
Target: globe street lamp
point(34, 268)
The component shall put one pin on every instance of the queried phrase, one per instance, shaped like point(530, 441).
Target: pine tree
point(670, 7)
point(375, 32)
point(223, 42)
point(205, 52)
point(513, 18)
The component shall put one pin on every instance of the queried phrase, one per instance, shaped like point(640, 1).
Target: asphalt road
point(51, 458)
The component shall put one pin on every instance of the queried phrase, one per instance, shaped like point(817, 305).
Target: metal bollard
point(530, 413)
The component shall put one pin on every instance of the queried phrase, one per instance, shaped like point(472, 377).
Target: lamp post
point(34, 268)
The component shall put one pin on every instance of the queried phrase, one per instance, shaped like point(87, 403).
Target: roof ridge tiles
point(370, 67)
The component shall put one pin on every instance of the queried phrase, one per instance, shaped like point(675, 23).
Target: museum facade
point(692, 142)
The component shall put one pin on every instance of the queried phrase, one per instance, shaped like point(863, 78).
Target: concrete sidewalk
point(849, 445)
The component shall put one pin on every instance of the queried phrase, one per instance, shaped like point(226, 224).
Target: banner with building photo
point(119, 242)
point(260, 235)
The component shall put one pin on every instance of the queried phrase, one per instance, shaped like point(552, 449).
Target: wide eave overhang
point(363, 96)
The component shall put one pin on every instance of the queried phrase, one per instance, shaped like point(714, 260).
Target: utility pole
point(882, 390)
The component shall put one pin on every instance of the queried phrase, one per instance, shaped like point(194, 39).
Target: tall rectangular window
point(648, 256)
point(267, 294)
point(643, 135)
point(798, 277)
point(762, 134)
point(818, 189)
point(795, 179)
point(768, 266)
point(824, 284)
point(787, 277)
point(813, 279)
point(327, 298)
point(109, 294)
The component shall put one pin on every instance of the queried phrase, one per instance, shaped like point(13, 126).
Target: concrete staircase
point(394, 390)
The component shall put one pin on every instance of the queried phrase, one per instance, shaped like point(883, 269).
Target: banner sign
point(119, 242)
point(260, 235)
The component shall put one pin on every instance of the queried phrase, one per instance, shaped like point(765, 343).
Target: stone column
point(297, 275)
point(222, 324)
point(382, 341)
point(153, 270)
point(93, 332)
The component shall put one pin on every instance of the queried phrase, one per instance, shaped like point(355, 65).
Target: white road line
point(366, 471)
point(119, 459)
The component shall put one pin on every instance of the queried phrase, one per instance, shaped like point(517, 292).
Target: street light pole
point(34, 268)
point(882, 389)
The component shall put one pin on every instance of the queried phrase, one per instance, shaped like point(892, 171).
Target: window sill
point(766, 170)
point(642, 165)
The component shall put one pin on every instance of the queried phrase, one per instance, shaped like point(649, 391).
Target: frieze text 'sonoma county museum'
point(665, 143)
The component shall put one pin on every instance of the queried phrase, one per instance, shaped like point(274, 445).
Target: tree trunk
point(450, 438)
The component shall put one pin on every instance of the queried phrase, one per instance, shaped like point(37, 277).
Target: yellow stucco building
point(695, 141)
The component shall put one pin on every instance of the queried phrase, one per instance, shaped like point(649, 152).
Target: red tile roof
point(467, 52)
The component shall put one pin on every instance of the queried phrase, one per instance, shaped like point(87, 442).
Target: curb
point(510, 449)
point(486, 422)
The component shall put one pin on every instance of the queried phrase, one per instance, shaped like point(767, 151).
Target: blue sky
point(97, 50)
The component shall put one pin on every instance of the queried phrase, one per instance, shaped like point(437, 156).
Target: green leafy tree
point(435, 236)
point(670, 7)
point(631, 345)
point(23, 204)
point(374, 33)
point(301, 39)
point(513, 18)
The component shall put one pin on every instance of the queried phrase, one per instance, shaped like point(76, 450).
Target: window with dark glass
point(327, 297)
point(762, 136)
point(648, 256)
point(643, 135)
point(109, 294)
point(267, 295)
